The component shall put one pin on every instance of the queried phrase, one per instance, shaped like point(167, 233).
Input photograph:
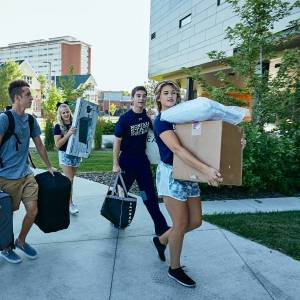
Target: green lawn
point(276, 230)
point(98, 161)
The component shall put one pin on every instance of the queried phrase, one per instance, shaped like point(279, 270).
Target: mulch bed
point(208, 193)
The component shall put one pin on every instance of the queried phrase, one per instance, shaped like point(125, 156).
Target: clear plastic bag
point(204, 109)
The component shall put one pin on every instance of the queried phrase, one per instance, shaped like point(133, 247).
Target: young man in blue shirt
point(16, 178)
point(129, 155)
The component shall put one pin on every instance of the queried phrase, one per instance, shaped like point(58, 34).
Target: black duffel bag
point(53, 202)
point(6, 222)
point(119, 210)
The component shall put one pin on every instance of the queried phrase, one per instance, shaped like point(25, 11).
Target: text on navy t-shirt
point(133, 129)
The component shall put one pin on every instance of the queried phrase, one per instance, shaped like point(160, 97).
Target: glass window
point(186, 20)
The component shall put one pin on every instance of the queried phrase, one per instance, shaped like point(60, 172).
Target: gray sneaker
point(11, 256)
point(28, 250)
point(73, 209)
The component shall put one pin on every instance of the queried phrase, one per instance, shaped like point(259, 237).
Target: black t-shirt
point(133, 129)
point(57, 131)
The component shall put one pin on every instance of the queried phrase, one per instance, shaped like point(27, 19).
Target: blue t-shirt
point(15, 163)
point(159, 126)
point(57, 131)
point(133, 129)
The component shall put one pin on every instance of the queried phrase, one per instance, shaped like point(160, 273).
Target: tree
point(43, 82)
point(9, 71)
point(112, 109)
point(125, 93)
point(68, 86)
point(276, 99)
point(255, 42)
point(220, 93)
point(150, 86)
point(49, 105)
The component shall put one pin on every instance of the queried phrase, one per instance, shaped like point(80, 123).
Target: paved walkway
point(93, 260)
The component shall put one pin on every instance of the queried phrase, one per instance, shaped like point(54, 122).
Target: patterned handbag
point(118, 209)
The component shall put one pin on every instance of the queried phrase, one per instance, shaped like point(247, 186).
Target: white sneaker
point(73, 209)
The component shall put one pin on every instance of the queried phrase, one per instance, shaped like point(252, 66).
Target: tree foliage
point(43, 82)
point(254, 43)
point(70, 91)
point(112, 109)
point(271, 159)
point(9, 71)
point(49, 138)
point(150, 86)
point(49, 104)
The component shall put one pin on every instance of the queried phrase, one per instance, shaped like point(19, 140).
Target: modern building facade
point(183, 32)
point(53, 56)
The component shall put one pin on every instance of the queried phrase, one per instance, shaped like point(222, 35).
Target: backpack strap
point(11, 127)
point(9, 132)
point(31, 123)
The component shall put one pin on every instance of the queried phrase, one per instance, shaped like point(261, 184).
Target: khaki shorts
point(25, 189)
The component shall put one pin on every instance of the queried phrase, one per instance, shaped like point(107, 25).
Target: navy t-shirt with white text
point(57, 131)
point(133, 129)
point(159, 126)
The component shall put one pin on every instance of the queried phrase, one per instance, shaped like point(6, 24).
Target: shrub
point(98, 134)
point(108, 127)
point(103, 127)
point(49, 138)
point(269, 161)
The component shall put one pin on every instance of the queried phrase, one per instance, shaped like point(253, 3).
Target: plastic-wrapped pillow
point(152, 150)
point(203, 109)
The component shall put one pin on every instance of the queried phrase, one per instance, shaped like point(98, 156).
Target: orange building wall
point(70, 55)
point(90, 59)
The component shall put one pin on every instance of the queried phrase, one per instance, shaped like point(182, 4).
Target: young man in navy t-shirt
point(129, 155)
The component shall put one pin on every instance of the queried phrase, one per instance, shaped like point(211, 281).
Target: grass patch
point(99, 161)
point(276, 230)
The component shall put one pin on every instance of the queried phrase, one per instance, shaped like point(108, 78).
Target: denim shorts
point(68, 160)
point(177, 189)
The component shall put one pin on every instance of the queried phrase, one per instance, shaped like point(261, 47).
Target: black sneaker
point(181, 277)
point(160, 248)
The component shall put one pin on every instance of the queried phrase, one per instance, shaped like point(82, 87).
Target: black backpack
point(11, 132)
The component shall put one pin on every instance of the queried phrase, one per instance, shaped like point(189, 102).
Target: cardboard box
point(215, 143)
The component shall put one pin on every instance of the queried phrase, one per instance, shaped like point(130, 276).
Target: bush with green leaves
point(98, 134)
point(108, 127)
point(103, 127)
point(49, 137)
point(270, 161)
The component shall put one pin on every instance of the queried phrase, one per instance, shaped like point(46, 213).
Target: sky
point(118, 31)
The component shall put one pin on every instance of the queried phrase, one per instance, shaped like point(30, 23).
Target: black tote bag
point(117, 209)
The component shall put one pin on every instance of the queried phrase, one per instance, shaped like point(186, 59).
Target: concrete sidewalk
point(93, 260)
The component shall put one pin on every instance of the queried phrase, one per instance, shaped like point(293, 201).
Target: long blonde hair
point(59, 119)
point(159, 87)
